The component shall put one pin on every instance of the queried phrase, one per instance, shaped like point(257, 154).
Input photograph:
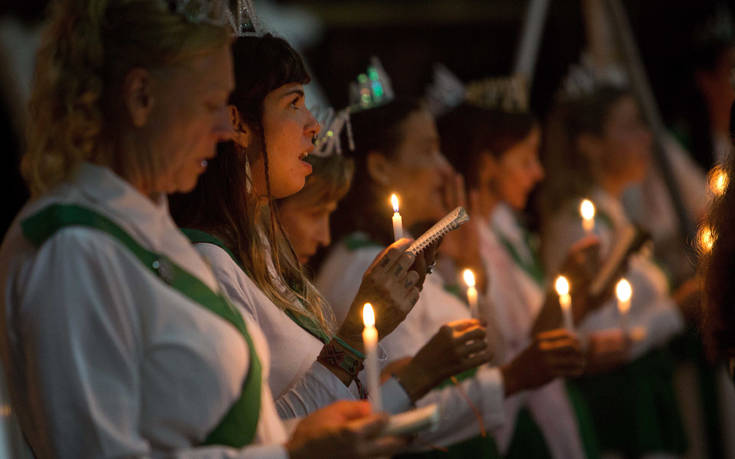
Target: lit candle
point(705, 238)
point(565, 301)
point(469, 279)
point(718, 180)
point(624, 292)
point(587, 211)
point(370, 341)
point(397, 220)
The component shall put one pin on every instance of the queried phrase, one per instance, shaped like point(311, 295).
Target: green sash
point(307, 323)
point(238, 426)
point(534, 269)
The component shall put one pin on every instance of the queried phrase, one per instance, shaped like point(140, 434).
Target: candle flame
point(587, 209)
point(368, 315)
point(623, 290)
point(706, 238)
point(469, 277)
point(562, 286)
point(394, 202)
point(718, 180)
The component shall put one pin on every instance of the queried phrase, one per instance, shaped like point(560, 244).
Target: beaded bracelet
point(334, 355)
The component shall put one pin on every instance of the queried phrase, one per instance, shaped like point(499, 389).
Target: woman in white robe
point(397, 149)
point(304, 340)
point(598, 146)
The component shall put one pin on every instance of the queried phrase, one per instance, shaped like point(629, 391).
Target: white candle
point(397, 220)
point(565, 301)
point(587, 211)
point(624, 292)
point(469, 279)
point(370, 341)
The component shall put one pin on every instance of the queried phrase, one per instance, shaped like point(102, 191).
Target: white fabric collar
point(504, 221)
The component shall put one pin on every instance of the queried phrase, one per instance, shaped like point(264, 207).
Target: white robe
point(105, 360)
point(651, 308)
point(300, 383)
point(339, 280)
point(516, 299)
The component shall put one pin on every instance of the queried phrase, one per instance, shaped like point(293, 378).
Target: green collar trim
point(198, 236)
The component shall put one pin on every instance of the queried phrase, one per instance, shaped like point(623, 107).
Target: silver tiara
point(584, 79)
point(445, 92)
point(508, 94)
point(329, 140)
point(372, 88)
point(237, 15)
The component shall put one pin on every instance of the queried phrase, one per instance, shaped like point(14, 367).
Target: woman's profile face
point(517, 171)
point(288, 128)
point(189, 117)
point(418, 171)
point(626, 143)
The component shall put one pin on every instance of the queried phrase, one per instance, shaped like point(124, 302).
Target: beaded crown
point(508, 94)
point(329, 140)
point(372, 88)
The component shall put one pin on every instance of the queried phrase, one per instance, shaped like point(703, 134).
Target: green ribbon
point(307, 323)
point(535, 269)
point(237, 428)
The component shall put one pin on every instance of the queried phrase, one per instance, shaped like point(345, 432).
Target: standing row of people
point(155, 300)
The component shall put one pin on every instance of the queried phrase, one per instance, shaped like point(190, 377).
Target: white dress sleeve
point(78, 344)
point(318, 387)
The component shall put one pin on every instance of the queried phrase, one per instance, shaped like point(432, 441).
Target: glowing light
point(706, 238)
point(368, 315)
point(623, 290)
point(562, 286)
point(469, 277)
point(587, 209)
point(394, 202)
point(718, 180)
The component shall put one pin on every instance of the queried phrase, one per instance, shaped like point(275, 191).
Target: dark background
point(473, 38)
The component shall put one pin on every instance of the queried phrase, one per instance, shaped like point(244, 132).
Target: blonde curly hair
point(87, 49)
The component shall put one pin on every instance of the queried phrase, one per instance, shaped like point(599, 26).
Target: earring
point(314, 139)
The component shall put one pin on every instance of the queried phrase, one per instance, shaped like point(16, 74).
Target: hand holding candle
point(397, 220)
point(469, 279)
point(370, 341)
point(624, 292)
point(565, 301)
point(587, 211)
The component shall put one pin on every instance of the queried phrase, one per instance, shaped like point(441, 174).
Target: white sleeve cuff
point(394, 397)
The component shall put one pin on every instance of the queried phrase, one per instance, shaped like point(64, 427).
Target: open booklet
point(629, 241)
point(449, 222)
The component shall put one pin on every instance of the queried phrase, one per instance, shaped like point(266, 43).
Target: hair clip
point(584, 79)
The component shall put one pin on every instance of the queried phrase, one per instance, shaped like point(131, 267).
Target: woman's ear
point(242, 132)
point(378, 168)
point(487, 168)
point(589, 146)
point(138, 96)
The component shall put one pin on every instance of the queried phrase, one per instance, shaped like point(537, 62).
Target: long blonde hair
point(87, 49)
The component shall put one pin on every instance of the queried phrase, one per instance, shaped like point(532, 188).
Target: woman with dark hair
point(230, 215)
point(398, 151)
point(598, 146)
point(497, 153)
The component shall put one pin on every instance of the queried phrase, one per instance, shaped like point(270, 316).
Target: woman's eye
point(295, 102)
